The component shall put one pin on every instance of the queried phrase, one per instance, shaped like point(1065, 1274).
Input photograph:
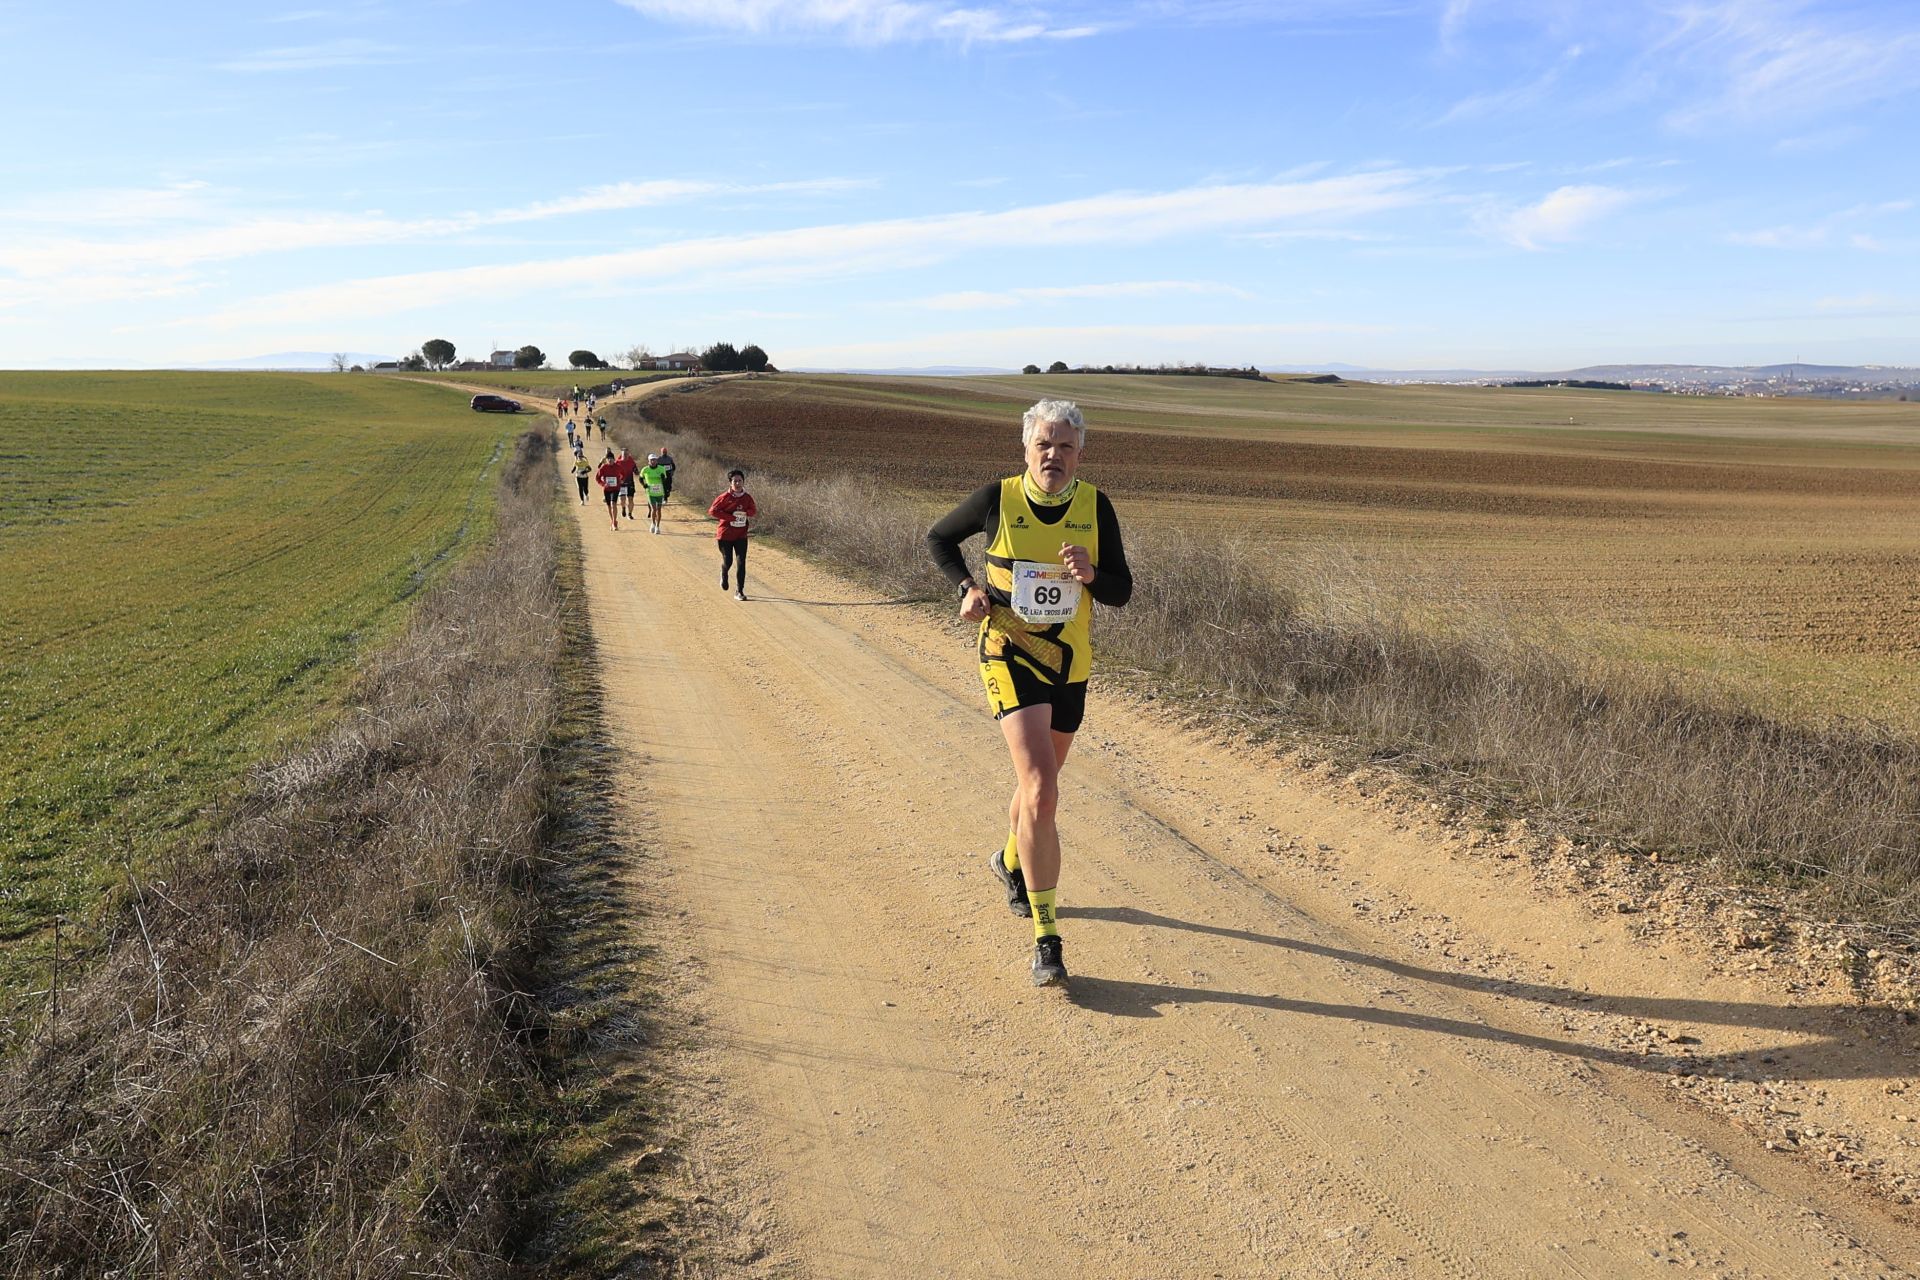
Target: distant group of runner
point(564, 409)
point(620, 477)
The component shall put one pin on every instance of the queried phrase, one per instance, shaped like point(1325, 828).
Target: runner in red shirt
point(734, 510)
point(607, 474)
point(628, 469)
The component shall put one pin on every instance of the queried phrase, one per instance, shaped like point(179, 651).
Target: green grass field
point(192, 562)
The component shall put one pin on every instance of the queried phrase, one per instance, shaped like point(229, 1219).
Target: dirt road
point(1283, 1052)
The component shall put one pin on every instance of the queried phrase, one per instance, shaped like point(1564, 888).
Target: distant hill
point(1666, 375)
point(1769, 376)
point(1815, 370)
point(1432, 375)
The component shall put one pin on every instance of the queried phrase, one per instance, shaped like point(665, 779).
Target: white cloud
point(1345, 234)
point(809, 252)
point(1714, 64)
point(1863, 304)
point(1518, 97)
point(1782, 238)
point(870, 22)
point(29, 252)
point(1561, 216)
point(348, 51)
point(636, 195)
point(1834, 230)
point(1876, 209)
point(109, 206)
point(1822, 140)
point(21, 295)
point(979, 300)
point(1769, 59)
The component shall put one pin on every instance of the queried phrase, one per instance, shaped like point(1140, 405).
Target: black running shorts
point(1011, 686)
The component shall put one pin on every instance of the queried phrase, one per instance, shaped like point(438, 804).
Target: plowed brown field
point(1774, 542)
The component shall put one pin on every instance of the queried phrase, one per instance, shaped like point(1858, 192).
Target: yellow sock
point(1041, 900)
point(1010, 856)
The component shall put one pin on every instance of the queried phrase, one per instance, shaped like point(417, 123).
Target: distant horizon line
point(313, 361)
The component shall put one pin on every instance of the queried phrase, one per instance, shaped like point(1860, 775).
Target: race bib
point(611, 482)
point(1044, 593)
point(739, 519)
point(656, 490)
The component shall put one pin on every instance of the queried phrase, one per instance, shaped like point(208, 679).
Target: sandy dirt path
point(1249, 1076)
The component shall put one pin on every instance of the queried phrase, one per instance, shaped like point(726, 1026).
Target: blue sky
point(875, 183)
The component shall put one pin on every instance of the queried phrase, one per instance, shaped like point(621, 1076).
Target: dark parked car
point(495, 404)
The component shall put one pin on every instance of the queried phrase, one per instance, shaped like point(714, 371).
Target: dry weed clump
point(1621, 751)
point(305, 1050)
point(1324, 641)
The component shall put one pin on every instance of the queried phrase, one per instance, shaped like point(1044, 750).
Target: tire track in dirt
point(1243, 1082)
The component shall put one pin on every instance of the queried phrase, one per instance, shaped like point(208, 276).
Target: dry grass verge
point(308, 1047)
point(612, 1201)
point(1607, 752)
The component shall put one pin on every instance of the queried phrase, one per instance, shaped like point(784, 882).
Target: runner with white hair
point(1053, 548)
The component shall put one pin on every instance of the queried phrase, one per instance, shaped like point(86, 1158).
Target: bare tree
point(634, 354)
point(340, 362)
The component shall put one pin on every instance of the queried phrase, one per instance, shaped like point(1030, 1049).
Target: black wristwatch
point(966, 585)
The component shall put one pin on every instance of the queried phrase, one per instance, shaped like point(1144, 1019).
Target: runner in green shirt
point(653, 478)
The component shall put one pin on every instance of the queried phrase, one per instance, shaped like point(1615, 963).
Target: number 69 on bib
point(1044, 593)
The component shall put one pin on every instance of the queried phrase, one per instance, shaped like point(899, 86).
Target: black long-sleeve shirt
point(980, 513)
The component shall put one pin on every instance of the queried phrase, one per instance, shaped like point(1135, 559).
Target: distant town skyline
point(878, 183)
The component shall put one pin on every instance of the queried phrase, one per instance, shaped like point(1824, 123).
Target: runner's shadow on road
point(1830, 1051)
point(1124, 999)
point(829, 604)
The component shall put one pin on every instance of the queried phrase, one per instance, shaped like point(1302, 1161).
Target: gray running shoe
point(1014, 882)
point(1048, 966)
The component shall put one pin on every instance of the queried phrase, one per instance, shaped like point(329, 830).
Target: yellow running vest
point(1059, 652)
